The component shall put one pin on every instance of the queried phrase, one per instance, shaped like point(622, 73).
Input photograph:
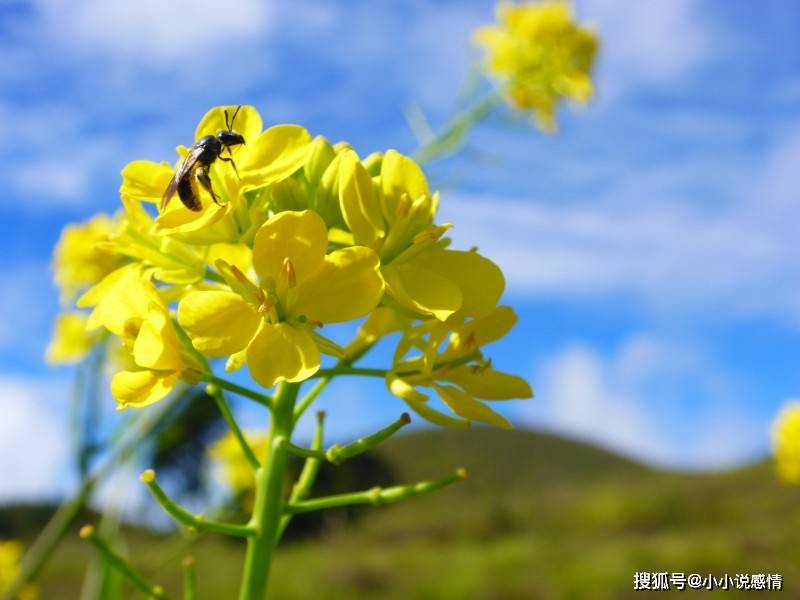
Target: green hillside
point(539, 517)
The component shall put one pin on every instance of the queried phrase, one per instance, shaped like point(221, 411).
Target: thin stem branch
point(224, 408)
point(337, 454)
point(122, 565)
point(376, 495)
point(240, 390)
point(189, 579)
point(183, 516)
point(309, 398)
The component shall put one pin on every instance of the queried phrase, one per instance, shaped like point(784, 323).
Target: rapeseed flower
point(541, 56)
point(70, 342)
point(271, 325)
point(10, 556)
point(786, 443)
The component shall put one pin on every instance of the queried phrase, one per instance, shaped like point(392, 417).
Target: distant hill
point(539, 517)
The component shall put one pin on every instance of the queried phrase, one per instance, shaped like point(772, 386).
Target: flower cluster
point(541, 56)
point(10, 555)
point(306, 234)
point(786, 443)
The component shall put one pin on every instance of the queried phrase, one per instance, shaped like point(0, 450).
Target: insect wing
point(185, 169)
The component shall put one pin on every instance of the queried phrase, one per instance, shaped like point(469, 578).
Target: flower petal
point(480, 280)
point(466, 406)
point(299, 236)
point(71, 342)
point(248, 122)
point(346, 287)
point(422, 290)
point(140, 388)
point(418, 403)
point(482, 331)
point(125, 298)
point(400, 175)
point(282, 352)
point(358, 202)
point(156, 345)
point(275, 154)
point(218, 322)
point(488, 383)
point(146, 180)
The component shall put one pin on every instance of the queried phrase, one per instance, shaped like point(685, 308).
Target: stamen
point(403, 206)
point(288, 272)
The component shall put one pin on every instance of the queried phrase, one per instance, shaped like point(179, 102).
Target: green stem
point(269, 503)
point(122, 565)
point(309, 398)
point(453, 134)
point(345, 370)
point(337, 454)
point(302, 487)
point(376, 495)
point(183, 516)
point(189, 579)
point(369, 372)
point(224, 408)
point(241, 390)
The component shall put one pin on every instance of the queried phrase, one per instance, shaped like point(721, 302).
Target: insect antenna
point(233, 118)
point(227, 122)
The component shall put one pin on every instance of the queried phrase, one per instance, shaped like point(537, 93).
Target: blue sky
point(650, 247)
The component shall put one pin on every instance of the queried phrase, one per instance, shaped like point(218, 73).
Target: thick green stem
point(189, 579)
point(269, 502)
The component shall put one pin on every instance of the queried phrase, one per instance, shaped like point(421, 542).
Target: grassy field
point(539, 517)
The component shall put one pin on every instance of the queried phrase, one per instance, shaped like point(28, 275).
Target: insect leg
point(233, 164)
point(205, 181)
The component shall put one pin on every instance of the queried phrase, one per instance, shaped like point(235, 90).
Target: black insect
point(194, 169)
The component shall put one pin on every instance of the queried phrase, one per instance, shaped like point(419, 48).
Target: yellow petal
point(140, 388)
point(466, 406)
point(248, 122)
point(127, 298)
point(71, 342)
point(299, 236)
point(480, 280)
point(346, 287)
point(146, 180)
point(418, 403)
point(400, 175)
point(422, 290)
point(357, 199)
point(488, 383)
point(156, 345)
point(218, 322)
point(282, 352)
point(276, 153)
point(482, 331)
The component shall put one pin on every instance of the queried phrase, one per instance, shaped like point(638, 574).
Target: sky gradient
point(650, 247)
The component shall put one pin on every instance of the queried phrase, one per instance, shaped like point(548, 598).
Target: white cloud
point(175, 33)
point(33, 439)
point(630, 401)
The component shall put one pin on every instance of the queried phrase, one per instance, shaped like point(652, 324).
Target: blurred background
point(650, 248)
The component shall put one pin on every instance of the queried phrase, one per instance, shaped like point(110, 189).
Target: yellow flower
point(10, 556)
point(541, 55)
point(129, 306)
point(460, 375)
point(233, 468)
point(786, 443)
point(393, 214)
point(271, 325)
point(71, 342)
point(267, 157)
point(78, 262)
